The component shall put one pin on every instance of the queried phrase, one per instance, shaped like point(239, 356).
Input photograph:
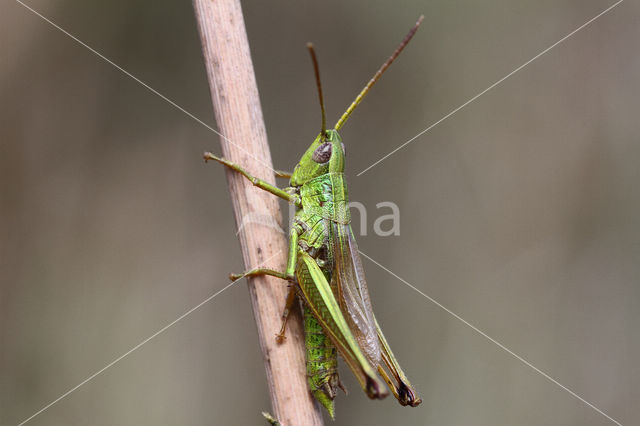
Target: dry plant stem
point(236, 104)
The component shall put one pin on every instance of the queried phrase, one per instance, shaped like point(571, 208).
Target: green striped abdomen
point(322, 362)
point(321, 354)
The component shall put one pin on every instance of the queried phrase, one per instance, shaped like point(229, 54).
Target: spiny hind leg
point(294, 234)
point(291, 298)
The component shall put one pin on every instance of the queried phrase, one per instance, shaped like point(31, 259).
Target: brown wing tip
point(407, 396)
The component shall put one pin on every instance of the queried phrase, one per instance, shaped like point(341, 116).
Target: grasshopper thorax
point(325, 155)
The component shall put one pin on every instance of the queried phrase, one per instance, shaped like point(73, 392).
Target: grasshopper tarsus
point(208, 156)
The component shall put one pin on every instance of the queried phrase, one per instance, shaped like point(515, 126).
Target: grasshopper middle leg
point(291, 295)
point(258, 272)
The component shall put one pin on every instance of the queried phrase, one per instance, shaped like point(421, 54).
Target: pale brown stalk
point(234, 94)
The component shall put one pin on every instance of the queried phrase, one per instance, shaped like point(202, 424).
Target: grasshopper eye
point(322, 154)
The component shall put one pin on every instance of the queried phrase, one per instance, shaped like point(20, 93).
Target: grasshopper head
point(325, 155)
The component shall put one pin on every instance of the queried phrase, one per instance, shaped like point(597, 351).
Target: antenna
point(378, 74)
point(316, 69)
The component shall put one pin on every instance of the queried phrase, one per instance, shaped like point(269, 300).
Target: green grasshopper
point(325, 271)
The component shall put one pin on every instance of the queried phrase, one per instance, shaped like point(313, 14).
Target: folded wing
point(352, 293)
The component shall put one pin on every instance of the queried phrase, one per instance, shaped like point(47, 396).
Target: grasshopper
point(325, 271)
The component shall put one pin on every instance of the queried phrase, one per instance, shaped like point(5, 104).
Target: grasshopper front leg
point(262, 184)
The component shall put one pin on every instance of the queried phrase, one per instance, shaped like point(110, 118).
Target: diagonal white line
point(133, 349)
point(494, 341)
point(490, 87)
point(145, 85)
point(163, 329)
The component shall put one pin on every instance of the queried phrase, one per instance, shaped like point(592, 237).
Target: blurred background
point(521, 212)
